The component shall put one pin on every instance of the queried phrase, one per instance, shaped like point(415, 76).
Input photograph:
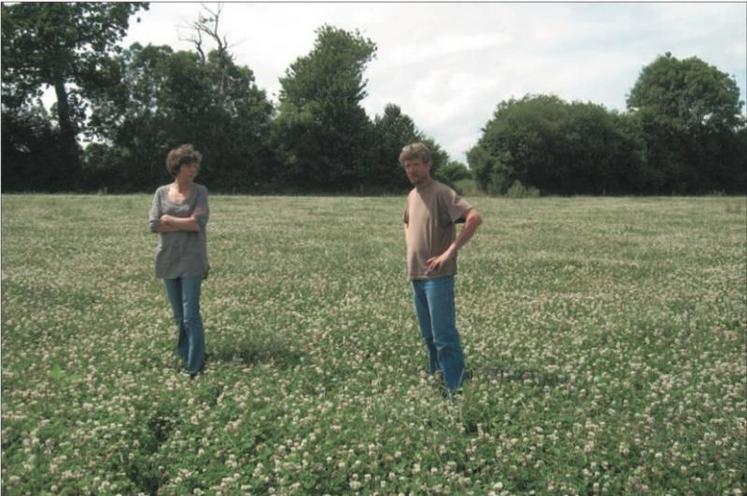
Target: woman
point(179, 214)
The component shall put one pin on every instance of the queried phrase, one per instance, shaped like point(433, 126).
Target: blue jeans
point(184, 296)
point(434, 307)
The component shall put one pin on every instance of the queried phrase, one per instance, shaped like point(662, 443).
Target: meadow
point(605, 336)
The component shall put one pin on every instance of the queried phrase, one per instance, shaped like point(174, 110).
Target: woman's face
point(188, 172)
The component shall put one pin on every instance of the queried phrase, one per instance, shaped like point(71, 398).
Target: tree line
point(682, 134)
point(119, 110)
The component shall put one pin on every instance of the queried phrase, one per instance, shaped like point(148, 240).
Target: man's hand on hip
point(434, 264)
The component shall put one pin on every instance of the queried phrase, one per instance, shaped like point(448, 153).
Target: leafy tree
point(392, 131)
point(134, 121)
point(166, 98)
point(322, 134)
point(559, 148)
point(687, 114)
point(453, 172)
point(689, 92)
point(30, 151)
point(65, 46)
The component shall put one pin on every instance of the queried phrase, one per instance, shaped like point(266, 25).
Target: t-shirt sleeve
point(456, 206)
point(202, 206)
point(154, 214)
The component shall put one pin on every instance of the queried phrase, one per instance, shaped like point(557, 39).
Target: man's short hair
point(415, 151)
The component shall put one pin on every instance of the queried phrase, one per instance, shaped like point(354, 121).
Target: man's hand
point(472, 221)
point(435, 263)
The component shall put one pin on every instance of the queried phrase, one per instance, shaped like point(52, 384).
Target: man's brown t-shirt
point(431, 214)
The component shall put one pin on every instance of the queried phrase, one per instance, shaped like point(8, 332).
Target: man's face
point(417, 171)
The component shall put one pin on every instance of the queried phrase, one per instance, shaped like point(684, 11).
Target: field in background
point(606, 338)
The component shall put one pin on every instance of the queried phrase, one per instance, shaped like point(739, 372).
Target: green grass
point(606, 338)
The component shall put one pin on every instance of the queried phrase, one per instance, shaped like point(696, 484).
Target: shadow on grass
point(254, 353)
point(519, 374)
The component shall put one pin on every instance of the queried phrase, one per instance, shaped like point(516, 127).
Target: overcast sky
point(448, 65)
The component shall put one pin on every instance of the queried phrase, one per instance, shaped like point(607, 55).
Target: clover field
point(605, 337)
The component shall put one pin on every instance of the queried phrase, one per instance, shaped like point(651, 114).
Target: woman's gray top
point(180, 253)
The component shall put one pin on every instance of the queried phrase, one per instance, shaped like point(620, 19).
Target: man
point(430, 217)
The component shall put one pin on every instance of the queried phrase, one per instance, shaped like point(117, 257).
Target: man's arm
point(471, 223)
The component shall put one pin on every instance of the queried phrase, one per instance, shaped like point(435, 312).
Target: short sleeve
point(201, 205)
point(456, 206)
point(154, 215)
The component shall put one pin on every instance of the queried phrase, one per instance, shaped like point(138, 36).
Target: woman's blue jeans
point(434, 307)
point(184, 296)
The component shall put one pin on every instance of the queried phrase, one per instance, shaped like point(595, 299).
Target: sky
point(448, 65)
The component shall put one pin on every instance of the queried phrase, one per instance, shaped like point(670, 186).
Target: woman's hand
point(197, 212)
point(166, 219)
point(169, 223)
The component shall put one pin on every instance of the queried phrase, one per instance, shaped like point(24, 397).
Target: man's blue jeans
point(434, 307)
point(184, 296)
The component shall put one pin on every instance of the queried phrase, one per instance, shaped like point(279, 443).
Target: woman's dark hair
point(182, 155)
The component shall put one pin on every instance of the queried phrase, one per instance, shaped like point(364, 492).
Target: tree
point(322, 134)
point(207, 25)
point(30, 151)
point(63, 46)
point(453, 172)
point(167, 98)
point(392, 131)
point(134, 121)
point(687, 113)
point(690, 92)
point(559, 148)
